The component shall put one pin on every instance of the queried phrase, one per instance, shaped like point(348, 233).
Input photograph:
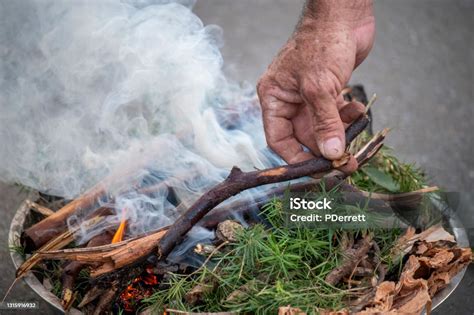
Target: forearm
point(349, 12)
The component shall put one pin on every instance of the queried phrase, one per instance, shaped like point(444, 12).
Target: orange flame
point(118, 236)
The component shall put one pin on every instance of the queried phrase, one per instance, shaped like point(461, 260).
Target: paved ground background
point(421, 68)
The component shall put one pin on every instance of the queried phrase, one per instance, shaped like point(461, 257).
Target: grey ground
point(421, 68)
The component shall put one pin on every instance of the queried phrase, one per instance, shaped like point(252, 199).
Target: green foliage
point(20, 250)
point(381, 178)
point(268, 268)
point(53, 271)
point(386, 173)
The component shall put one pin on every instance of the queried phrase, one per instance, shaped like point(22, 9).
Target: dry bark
point(352, 257)
point(108, 258)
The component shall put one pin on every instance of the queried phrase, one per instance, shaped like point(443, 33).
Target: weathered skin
point(300, 93)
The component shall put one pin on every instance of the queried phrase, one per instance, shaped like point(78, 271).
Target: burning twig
point(128, 254)
point(99, 253)
point(109, 257)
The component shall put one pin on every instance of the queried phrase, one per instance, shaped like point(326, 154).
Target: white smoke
point(92, 86)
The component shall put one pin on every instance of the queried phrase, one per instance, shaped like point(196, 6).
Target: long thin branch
point(238, 181)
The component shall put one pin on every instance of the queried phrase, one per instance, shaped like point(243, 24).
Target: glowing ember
point(140, 288)
point(118, 237)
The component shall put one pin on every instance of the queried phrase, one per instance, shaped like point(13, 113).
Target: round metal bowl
point(17, 226)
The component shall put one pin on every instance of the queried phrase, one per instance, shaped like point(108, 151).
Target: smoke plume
point(91, 87)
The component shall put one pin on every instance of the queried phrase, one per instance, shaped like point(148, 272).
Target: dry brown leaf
point(433, 234)
point(288, 310)
point(411, 294)
point(384, 294)
point(436, 233)
point(197, 293)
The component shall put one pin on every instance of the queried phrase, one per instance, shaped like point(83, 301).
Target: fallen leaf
point(288, 310)
point(381, 178)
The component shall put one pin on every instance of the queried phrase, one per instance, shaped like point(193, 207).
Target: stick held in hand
point(238, 181)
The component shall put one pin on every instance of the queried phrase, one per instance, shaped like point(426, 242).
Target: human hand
point(300, 93)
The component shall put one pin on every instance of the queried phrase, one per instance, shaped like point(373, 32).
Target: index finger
point(279, 131)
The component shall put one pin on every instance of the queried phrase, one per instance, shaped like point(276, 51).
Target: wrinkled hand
point(300, 93)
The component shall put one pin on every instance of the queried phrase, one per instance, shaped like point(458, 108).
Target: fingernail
point(332, 148)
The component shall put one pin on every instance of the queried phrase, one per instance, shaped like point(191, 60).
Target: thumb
point(327, 124)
